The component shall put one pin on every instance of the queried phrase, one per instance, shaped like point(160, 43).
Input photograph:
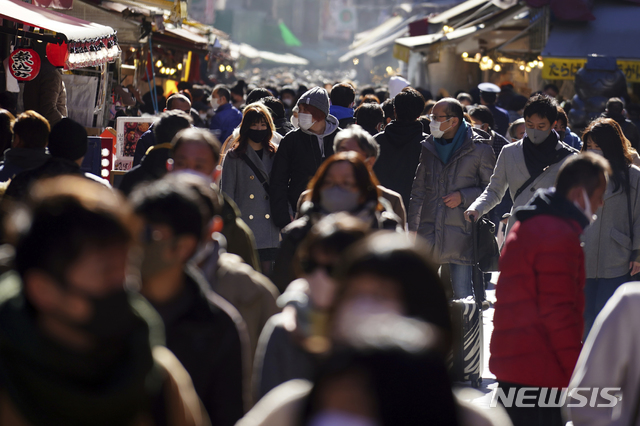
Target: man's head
point(313, 108)
point(582, 179)
point(355, 138)
point(408, 105)
point(288, 96)
point(196, 150)
point(257, 94)
point(482, 118)
point(68, 140)
point(448, 114)
point(30, 130)
point(540, 115)
point(488, 93)
point(615, 106)
point(179, 102)
point(551, 90)
point(343, 94)
point(276, 107)
point(220, 96)
point(170, 123)
point(237, 92)
point(389, 112)
point(561, 123)
point(465, 99)
point(72, 237)
point(370, 116)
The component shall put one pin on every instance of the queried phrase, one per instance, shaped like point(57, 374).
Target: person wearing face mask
point(288, 97)
point(455, 165)
point(538, 321)
point(482, 119)
point(245, 178)
point(226, 116)
point(342, 184)
point(301, 153)
point(77, 347)
point(564, 132)
point(527, 165)
point(612, 243)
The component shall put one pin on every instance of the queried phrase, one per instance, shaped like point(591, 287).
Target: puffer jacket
point(538, 321)
point(468, 171)
point(607, 242)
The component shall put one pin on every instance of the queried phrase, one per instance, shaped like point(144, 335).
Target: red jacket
point(538, 314)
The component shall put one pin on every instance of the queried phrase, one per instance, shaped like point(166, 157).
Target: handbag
point(486, 250)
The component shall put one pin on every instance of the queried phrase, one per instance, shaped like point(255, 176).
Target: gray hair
point(366, 142)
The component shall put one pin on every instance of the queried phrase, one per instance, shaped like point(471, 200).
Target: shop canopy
point(250, 52)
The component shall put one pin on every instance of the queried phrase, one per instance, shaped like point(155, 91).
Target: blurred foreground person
point(76, 348)
point(28, 149)
point(538, 314)
point(204, 331)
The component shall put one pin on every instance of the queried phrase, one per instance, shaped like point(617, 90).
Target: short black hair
point(169, 124)
point(256, 94)
point(387, 108)
point(342, 94)
point(584, 170)
point(552, 87)
point(543, 106)
point(453, 108)
point(196, 135)
point(562, 116)
point(33, 130)
point(382, 94)
point(615, 106)
point(408, 105)
point(369, 115)
point(482, 113)
point(276, 107)
point(222, 90)
point(287, 90)
point(489, 97)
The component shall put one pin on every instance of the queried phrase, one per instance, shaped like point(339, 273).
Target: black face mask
point(258, 136)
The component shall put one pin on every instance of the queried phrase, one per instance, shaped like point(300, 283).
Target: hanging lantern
point(24, 64)
point(57, 54)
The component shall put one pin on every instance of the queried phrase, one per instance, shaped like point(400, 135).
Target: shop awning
point(374, 46)
point(250, 52)
point(611, 34)
point(67, 28)
point(456, 11)
point(187, 35)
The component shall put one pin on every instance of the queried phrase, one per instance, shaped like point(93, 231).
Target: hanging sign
point(567, 68)
point(24, 64)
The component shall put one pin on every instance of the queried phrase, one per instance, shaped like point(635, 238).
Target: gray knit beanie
point(317, 97)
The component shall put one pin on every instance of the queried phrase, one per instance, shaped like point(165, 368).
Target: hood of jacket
point(399, 133)
point(548, 202)
point(26, 158)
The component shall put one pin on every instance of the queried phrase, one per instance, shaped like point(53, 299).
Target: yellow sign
point(401, 52)
point(566, 68)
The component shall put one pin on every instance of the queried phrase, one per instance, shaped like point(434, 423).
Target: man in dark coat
point(227, 117)
point(488, 96)
point(400, 144)
point(342, 97)
point(615, 111)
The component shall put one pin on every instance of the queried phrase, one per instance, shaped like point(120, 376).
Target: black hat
point(68, 140)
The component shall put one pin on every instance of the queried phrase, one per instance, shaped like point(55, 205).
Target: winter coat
point(610, 359)
point(240, 182)
point(511, 173)
point(46, 94)
point(538, 321)
point(152, 167)
point(468, 171)
point(607, 242)
point(239, 236)
point(501, 119)
point(19, 159)
point(297, 160)
point(226, 118)
point(146, 141)
point(399, 156)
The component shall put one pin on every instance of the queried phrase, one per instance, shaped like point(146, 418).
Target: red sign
point(24, 64)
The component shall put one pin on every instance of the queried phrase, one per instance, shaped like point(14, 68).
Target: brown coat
point(46, 94)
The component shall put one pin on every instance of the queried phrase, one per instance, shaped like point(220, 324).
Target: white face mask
point(340, 418)
point(207, 179)
point(596, 151)
point(305, 120)
point(203, 116)
point(357, 314)
point(587, 207)
point(288, 102)
point(435, 128)
point(214, 103)
point(294, 121)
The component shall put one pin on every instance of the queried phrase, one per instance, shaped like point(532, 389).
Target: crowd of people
point(287, 255)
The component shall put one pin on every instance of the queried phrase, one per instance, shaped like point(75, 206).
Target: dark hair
point(238, 88)
point(367, 90)
point(366, 182)
point(169, 124)
point(489, 97)
point(196, 135)
point(482, 113)
point(464, 97)
point(562, 116)
point(276, 107)
point(584, 170)
point(453, 108)
point(342, 94)
point(428, 106)
point(552, 87)
point(168, 202)
point(366, 142)
point(387, 108)
point(369, 115)
point(68, 140)
point(408, 105)
point(287, 90)
point(177, 97)
point(33, 130)
point(382, 94)
point(71, 212)
point(273, 89)
point(256, 94)
point(517, 103)
point(6, 132)
point(222, 90)
point(543, 106)
point(254, 113)
point(615, 106)
point(608, 135)
point(368, 99)
point(426, 93)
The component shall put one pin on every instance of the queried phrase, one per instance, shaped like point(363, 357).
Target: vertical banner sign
point(24, 64)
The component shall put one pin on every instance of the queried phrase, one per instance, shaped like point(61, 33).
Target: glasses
point(432, 117)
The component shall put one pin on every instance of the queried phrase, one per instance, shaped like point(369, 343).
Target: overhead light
point(159, 63)
point(497, 68)
point(179, 66)
point(465, 55)
point(229, 68)
point(540, 64)
point(521, 67)
point(221, 68)
point(389, 70)
point(356, 61)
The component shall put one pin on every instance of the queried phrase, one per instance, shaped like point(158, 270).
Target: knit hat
point(68, 140)
point(316, 97)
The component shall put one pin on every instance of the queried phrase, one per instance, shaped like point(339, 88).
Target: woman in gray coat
point(245, 178)
point(612, 242)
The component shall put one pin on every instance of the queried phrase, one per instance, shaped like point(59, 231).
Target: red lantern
point(24, 64)
point(57, 54)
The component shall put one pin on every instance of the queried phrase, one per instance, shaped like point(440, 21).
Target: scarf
point(52, 384)
point(445, 150)
point(539, 157)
